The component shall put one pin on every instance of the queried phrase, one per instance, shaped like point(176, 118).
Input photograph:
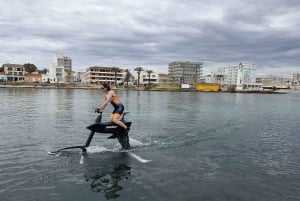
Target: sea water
point(185, 146)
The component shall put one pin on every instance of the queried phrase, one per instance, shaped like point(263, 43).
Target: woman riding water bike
point(110, 96)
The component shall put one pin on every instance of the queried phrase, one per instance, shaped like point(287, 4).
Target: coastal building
point(60, 68)
point(163, 78)
point(185, 72)
point(239, 77)
point(100, 74)
point(46, 78)
point(296, 78)
point(69, 76)
point(14, 72)
point(78, 77)
point(270, 81)
point(208, 79)
point(33, 77)
point(155, 78)
point(144, 75)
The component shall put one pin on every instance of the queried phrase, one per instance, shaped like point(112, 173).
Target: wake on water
point(135, 145)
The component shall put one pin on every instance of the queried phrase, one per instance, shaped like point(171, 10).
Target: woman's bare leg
point(118, 122)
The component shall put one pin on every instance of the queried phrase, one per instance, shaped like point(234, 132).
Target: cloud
point(152, 33)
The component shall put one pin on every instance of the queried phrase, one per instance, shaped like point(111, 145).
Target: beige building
point(33, 77)
point(163, 78)
point(69, 76)
point(14, 72)
point(100, 74)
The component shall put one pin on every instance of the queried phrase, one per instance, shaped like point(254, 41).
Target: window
point(60, 62)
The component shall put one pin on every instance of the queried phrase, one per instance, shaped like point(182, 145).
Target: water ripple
point(202, 146)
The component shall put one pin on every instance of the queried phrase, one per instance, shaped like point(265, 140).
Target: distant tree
point(149, 73)
point(127, 76)
point(138, 70)
point(44, 71)
point(115, 70)
point(30, 67)
point(2, 68)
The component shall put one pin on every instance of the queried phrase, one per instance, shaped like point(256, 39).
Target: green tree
point(138, 70)
point(149, 73)
point(30, 67)
point(44, 71)
point(115, 70)
point(2, 68)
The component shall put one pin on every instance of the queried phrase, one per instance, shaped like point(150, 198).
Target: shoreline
point(141, 89)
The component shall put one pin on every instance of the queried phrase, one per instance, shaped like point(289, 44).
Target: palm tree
point(115, 70)
point(149, 73)
point(127, 76)
point(138, 70)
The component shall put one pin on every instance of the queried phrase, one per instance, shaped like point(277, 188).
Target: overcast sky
point(153, 33)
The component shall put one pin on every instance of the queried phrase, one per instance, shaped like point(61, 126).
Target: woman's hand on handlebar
point(99, 110)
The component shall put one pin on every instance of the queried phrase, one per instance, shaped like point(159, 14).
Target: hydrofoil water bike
point(105, 128)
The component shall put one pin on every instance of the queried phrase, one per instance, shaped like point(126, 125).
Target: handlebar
point(97, 110)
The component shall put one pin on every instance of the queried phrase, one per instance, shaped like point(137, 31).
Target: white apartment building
point(144, 78)
point(46, 78)
point(60, 67)
point(100, 74)
point(155, 78)
point(14, 72)
point(242, 76)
